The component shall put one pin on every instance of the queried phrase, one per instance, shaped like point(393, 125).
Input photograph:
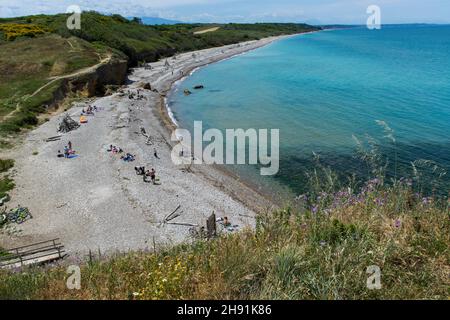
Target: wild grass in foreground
point(320, 249)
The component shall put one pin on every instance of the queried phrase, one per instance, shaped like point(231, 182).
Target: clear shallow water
point(320, 89)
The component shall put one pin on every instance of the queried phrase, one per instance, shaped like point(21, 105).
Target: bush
point(6, 184)
point(15, 30)
point(5, 165)
point(25, 119)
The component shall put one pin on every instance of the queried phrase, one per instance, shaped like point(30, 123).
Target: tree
point(137, 20)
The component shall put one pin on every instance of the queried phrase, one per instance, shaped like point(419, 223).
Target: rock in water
point(68, 124)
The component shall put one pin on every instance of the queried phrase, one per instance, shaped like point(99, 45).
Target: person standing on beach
point(70, 145)
point(66, 152)
point(153, 176)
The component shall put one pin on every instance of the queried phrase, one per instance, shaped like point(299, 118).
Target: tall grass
point(319, 251)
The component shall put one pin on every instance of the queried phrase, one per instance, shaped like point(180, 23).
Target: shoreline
point(96, 202)
point(187, 72)
point(170, 122)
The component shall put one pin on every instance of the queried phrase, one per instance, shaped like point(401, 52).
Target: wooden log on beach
point(211, 226)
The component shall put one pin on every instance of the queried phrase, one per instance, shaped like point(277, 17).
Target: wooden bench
point(35, 253)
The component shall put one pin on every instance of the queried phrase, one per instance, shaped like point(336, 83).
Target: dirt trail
point(54, 79)
point(207, 30)
point(71, 75)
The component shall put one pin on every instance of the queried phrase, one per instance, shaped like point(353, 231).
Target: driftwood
point(211, 226)
point(68, 124)
point(172, 215)
point(51, 139)
point(183, 224)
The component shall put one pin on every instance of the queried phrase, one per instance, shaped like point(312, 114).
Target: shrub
point(15, 30)
point(6, 184)
point(5, 165)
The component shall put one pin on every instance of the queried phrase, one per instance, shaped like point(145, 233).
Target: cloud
point(325, 11)
point(9, 8)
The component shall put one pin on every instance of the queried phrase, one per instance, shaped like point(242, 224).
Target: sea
point(353, 101)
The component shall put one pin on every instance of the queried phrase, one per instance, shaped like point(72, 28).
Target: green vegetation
point(35, 49)
point(318, 249)
point(149, 43)
point(5, 165)
point(27, 65)
point(6, 184)
point(12, 31)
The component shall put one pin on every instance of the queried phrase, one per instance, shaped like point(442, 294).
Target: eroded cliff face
point(112, 73)
point(92, 83)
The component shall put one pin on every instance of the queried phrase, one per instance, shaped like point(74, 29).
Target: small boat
point(187, 92)
point(199, 87)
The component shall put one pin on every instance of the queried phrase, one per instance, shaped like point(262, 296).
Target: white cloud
point(9, 8)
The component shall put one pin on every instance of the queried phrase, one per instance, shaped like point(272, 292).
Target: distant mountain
point(156, 21)
point(339, 26)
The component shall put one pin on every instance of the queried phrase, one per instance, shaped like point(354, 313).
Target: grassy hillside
point(145, 42)
point(318, 249)
point(29, 64)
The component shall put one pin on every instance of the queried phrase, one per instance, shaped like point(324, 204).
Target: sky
point(309, 11)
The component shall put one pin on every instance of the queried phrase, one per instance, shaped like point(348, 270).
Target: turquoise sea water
point(320, 89)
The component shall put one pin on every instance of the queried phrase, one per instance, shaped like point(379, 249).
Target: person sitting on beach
point(146, 176)
point(59, 154)
point(89, 110)
point(140, 171)
point(128, 157)
point(226, 222)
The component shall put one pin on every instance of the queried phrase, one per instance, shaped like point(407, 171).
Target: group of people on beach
point(89, 110)
point(68, 151)
point(114, 149)
point(146, 174)
point(135, 95)
point(128, 157)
